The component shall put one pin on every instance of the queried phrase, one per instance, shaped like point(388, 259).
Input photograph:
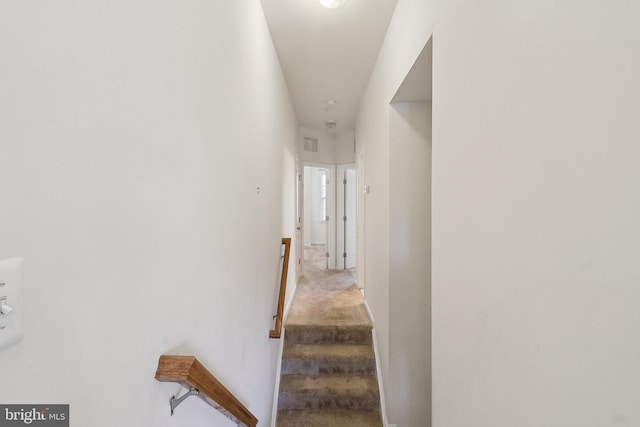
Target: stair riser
point(328, 336)
point(303, 366)
point(293, 400)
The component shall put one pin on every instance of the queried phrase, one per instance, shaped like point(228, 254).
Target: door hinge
point(344, 181)
point(327, 218)
point(344, 255)
point(327, 254)
point(344, 218)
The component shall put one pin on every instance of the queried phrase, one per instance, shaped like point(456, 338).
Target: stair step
point(328, 392)
point(328, 418)
point(315, 359)
point(328, 334)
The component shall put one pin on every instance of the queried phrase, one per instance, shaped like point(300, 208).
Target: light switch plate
point(11, 294)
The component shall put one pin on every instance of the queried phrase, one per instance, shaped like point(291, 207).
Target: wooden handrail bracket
point(277, 330)
point(191, 374)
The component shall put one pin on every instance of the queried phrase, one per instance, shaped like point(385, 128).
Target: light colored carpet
point(326, 297)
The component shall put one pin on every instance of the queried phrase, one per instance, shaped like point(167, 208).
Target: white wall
point(408, 391)
point(345, 148)
point(332, 149)
point(326, 147)
point(128, 182)
point(535, 207)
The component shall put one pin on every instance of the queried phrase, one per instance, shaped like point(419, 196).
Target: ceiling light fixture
point(332, 4)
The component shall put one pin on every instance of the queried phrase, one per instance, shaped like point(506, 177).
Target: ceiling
point(327, 54)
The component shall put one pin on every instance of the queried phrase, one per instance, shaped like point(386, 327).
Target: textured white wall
point(535, 207)
point(128, 183)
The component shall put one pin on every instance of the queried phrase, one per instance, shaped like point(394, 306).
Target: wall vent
point(311, 144)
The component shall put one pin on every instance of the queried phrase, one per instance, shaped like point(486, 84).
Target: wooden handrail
point(191, 374)
point(277, 330)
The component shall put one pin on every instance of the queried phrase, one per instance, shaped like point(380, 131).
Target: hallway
point(328, 365)
point(326, 297)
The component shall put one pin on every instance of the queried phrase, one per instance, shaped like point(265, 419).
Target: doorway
point(318, 216)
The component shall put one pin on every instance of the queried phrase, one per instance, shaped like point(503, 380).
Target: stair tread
point(328, 359)
point(329, 326)
point(328, 418)
point(329, 384)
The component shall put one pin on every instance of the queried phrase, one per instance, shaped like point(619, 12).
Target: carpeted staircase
point(328, 378)
point(328, 373)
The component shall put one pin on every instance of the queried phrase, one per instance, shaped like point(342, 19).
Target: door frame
point(361, 208)
point(299, 220)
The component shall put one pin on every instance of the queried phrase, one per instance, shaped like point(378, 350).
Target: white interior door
point(351, 215)
point(299, 223)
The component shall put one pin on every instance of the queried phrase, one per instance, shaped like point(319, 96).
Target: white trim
point(339, 213)
point(340, 249)
point(361, 217)
point(369, 313)
point(383, 403)
point(276, 394)
point(299, 249)
point(316, 164)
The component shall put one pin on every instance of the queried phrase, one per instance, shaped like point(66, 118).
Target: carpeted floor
point(328, 375)
point(326, 297)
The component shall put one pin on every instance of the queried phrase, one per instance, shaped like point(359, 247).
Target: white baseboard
point(383, 404)
point(276, 392)
point(369, 313)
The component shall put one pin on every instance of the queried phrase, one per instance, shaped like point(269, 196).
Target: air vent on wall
point(311, 144)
